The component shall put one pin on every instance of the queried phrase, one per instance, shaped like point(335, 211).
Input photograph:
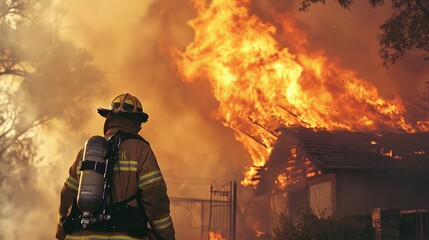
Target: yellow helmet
point(125, 104)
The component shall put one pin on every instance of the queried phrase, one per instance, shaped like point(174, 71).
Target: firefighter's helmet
point(125, 104)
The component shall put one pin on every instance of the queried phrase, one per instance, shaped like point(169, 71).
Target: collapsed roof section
point(302, 153)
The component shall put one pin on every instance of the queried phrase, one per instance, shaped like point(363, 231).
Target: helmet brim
point(105, 112)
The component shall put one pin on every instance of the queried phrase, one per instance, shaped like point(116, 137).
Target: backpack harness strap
point(135, 196)
point(92, 165)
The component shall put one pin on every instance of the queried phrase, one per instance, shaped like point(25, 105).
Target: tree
point(407, 29)
point(424, 98)
point(41, 77)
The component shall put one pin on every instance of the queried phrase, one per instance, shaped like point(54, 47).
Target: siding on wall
point(358, 192)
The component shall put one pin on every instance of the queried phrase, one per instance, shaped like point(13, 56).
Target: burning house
point(348, 172)
point(264, 75)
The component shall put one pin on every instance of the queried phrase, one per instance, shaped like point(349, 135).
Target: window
point(321, 198)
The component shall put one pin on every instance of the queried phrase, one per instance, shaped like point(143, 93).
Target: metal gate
point(223, 205)
point(190, 218)
point(200, 219)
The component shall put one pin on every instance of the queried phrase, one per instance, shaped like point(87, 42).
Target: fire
point(261, 85)
point(389, 154)
point(259, 233)
point(281, 180)
point(215, 236)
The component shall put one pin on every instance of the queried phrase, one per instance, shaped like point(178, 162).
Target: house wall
point(304, 195)
point(358, 192)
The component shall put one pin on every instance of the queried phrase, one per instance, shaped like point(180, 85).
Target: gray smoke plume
point(44, 81)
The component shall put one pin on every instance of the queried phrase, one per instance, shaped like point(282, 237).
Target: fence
point(223, 204)
point(194, 219)
point(191, 218)
point(400, 225)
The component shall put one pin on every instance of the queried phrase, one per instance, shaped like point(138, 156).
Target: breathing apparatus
point(95, 180)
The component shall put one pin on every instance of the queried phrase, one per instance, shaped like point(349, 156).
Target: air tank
point(91, 181)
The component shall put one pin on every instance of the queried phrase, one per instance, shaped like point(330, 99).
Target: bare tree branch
point(19, 134)
point(16, 72)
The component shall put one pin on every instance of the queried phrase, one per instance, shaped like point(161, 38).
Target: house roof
point(331, 150)
point(302, 153)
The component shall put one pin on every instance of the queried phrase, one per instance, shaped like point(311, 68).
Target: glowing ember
point(281, 180)
point(389, 154)
point(311, 174)
point(261, 85)
point(215, 236)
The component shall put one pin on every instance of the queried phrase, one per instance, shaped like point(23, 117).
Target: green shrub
point(308, 226)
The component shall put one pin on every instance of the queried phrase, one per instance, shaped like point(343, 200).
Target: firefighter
point(135, 174)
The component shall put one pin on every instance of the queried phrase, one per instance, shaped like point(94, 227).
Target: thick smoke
point(133, 51)
point(351, 37)
point(46, 93)
point(131, 43)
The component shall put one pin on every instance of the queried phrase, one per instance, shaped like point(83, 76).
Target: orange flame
point(215, 236)
point(260, 85)
point(281, 181)
point(389, 154)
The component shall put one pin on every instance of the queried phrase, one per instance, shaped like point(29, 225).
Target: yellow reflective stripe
point(129, 166)
point(59, 220)
point(71, 182)
point(149, 178)
point(102, 237)
point(125, 169)
point(117, 100)
point(129, 101)
point(162, 223)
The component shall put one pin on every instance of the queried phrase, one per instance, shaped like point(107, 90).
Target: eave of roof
point(333, 150)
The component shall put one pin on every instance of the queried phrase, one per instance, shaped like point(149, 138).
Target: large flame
point(261, 85)
point(215, 236)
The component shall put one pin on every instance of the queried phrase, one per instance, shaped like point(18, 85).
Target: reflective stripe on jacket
point(101, 237)
point(137, 170)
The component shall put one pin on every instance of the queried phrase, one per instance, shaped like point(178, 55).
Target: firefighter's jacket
point(136, 170)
